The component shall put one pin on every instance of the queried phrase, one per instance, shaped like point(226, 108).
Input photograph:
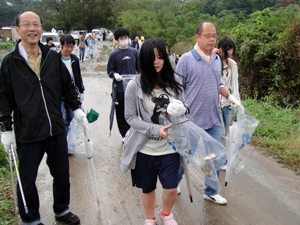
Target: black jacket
point(76, 72)
point(35, 102)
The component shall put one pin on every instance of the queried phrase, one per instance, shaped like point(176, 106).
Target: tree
point(164, 19)
point(62, 13)
point(8, 12)
point(268, 49)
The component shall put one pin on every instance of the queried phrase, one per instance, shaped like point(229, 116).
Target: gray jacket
point(141, 127)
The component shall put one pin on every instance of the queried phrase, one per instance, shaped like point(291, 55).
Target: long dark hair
point(149, 77)
point(225, 43)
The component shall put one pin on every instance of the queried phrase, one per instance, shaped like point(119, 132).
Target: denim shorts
point(148, 167)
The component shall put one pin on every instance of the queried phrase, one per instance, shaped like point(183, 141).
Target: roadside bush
point(277, 132)
point(6, 45)
point(268, 49)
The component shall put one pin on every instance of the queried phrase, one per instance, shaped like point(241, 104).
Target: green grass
point(108, 51)
point(7, 213)
point(277, 132)
point(5, 47)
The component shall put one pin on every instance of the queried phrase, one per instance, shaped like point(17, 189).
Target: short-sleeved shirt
point(202, 80)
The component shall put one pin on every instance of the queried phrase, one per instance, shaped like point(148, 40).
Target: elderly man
point(201, 69)
point(33, 80)
point(135, 43)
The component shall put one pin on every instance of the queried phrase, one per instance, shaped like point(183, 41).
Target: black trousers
point(120, 114)
point(30, 156)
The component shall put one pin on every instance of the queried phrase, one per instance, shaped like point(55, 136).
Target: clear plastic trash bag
point(241, 133)
point(126, 78)
point(198, 147)
point(74, 137)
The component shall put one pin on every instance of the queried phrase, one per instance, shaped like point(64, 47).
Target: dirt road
point(262, 193)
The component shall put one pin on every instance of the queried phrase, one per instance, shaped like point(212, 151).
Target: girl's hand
point(216, 50)
point(163, 133)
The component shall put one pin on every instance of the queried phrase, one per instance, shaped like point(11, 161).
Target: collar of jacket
point(44, 51)
point(198, 57)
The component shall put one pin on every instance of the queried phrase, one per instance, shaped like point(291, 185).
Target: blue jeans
point(215, 132)
point(67, 114)
point(81, 53)
point(227, 117)
point(222, 127)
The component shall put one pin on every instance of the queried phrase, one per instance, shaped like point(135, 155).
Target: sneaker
point(168, 220)
point(223, 167)
point(69, 218)
point(216, 199)
point(150, 222)
point(178, 190)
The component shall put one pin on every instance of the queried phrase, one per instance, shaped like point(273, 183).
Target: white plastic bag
point(241, 133)
point(73, 137)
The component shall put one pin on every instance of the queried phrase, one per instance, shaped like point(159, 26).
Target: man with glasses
point(33, 80)
point(201, 69)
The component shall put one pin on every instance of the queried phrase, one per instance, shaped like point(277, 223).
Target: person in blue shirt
point(201, 70)
point(135, 43)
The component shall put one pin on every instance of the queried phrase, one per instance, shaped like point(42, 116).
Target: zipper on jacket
point(42, 92)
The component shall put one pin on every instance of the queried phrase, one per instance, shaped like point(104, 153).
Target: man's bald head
point(18, 18)
point(199, 29)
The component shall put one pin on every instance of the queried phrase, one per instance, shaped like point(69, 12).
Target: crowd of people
point(34, 116)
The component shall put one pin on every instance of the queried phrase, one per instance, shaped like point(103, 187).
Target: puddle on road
point(96, 67)
point(100, 68)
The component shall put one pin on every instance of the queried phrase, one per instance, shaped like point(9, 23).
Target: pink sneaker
point(150, 222)
point(168, 220)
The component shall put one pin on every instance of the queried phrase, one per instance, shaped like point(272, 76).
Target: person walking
point(81, 44)
point(123, 60)
point(49, 43)
point(91, 45)
point(135, 43)
point(104, 35)
point(226, 49)
point(71, 61)
point(141, 42)
point(201, 70)
point(33, 79)
point(147, 153)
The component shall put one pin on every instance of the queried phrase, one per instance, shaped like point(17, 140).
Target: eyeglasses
point(26, 24)
point(209, 36)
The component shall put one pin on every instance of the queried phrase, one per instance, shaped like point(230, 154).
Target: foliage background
point(267, 38)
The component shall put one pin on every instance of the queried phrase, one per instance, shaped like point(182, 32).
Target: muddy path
point(262, 193)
